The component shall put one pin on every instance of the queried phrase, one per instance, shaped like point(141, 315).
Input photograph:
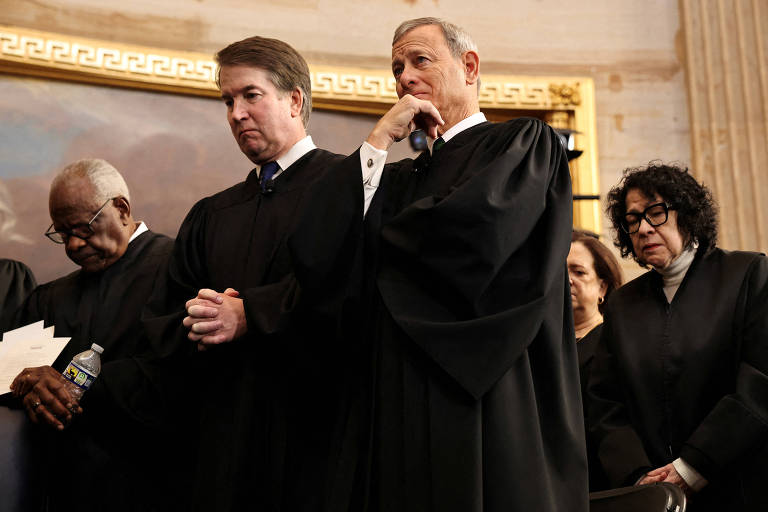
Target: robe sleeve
point(619, 448)
point(476, 276)
point(155, 394)
point(16, 283)
point(186, 269)
point(738, 425)
point(323, 245)
point(32, 309)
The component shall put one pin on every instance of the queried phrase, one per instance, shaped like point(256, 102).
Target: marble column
point(726, 56)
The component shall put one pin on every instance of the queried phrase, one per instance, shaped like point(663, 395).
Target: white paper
point(27, 347)
point(35, 329)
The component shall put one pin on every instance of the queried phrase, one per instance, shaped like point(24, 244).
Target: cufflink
point(370, 162)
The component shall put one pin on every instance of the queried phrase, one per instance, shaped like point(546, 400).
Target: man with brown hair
point(253, 389)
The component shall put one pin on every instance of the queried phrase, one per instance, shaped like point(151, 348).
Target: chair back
point(658, 497)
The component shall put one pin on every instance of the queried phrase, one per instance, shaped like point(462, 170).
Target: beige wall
point(632, 49)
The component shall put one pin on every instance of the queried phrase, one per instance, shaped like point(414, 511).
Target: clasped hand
point(45, 397)
point(215, 318)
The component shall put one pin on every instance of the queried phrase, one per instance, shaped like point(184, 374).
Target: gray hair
point(459, 41)
point(106, 181)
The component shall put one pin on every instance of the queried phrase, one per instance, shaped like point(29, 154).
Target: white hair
point(459, 41)
point(106, 180)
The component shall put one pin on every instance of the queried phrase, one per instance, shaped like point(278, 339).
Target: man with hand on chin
point(461, 371)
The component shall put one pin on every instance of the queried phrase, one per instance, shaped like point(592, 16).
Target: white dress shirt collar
point(298, 150)
point(462, 125)
point(139, 230)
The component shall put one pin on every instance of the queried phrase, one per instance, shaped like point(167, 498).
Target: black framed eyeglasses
point(655, 215)
point(82, 231)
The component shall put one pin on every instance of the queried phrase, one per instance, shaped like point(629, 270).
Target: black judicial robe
point(258, 398)
point(586, 347)
point(462, 381)
point(688, 379)
point(102, 449)
point(16, 282)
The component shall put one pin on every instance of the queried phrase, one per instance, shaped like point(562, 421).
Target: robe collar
point(673, 275)
point(297, 151)
point(657, 278)
point(462, 125)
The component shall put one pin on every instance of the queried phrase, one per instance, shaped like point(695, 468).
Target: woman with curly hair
point(678, 390)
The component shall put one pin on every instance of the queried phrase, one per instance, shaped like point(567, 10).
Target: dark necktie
point(439, 142)
point(267, 171)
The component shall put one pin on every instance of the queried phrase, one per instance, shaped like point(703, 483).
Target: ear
point(123, 207)
point(471, 62)
point(297, 101)
point(603, 288)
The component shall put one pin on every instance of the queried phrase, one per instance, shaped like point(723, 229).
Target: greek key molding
point(497, 92)
point(567, 102)
point(54, 55)
point(102, 61)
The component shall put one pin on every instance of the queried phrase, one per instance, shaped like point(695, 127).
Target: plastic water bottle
point(83, 370)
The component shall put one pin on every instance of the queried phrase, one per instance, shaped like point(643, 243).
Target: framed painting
point(154, 114)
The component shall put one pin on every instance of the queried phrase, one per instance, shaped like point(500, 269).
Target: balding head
point(90, 208)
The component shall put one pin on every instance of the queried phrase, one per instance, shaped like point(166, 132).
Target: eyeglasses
point(656, 215)
point(82, 231)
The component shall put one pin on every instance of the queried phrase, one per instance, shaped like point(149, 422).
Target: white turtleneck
point(673, 275)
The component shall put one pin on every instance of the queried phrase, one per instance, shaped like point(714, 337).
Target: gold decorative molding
point(57, 55)
point(366, 86)
point(567, 100)
point(44, 54)
point(565, 94)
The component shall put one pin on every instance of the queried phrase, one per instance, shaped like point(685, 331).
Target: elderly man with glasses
point(100, 303)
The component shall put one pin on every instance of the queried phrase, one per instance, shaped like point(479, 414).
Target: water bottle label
point(80, 376)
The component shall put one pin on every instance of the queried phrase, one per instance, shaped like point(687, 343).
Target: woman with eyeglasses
point(678, 390)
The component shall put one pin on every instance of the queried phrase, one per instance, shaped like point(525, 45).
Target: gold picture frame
point(564, 102)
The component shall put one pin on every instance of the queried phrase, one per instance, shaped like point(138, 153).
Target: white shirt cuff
point(372, 164)
point(692, 477)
